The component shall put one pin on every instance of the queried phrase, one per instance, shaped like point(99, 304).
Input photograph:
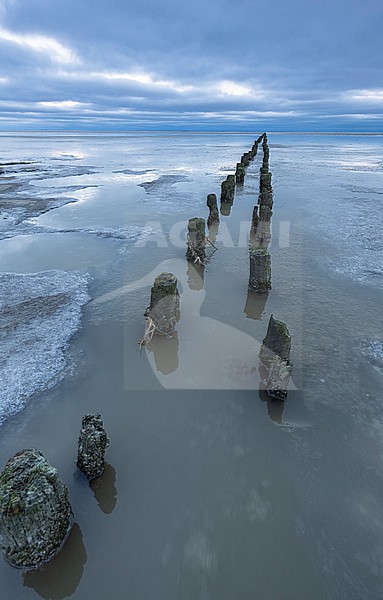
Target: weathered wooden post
point(164, 309)
point(228, 189)
point(260, 235)
point(213, 209)
point(260, 270)
point(265, 198)
point(34, 510)
point(92, 444)
point(265, 213)
point(196, 241)
point(246, 158)
point(275, 359)
point(265, 181)
point(240, 173)
point(255, 219)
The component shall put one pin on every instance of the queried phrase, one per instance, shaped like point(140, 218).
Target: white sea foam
point(373, 350)
point(39, 313)
point(30, 227)
point(128, 234)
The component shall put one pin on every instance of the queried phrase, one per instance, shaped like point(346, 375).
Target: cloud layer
point(245, 66)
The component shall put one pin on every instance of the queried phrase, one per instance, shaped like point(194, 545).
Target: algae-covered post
point(240, 173)
point(275, 359)
point(260, 271)
point(265, 181)
point(265, 198)
point(228, 189)
point(34, 510)
point(91, 446)
point(213, 209)
point(196, 240)
point(164, 309)
point(265, 213)
point(246, 158)
point(260, 232)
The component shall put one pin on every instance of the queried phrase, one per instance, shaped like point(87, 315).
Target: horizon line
point(192, 131)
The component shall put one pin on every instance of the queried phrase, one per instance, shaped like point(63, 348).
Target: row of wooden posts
point(35, 512)
point(164, 310)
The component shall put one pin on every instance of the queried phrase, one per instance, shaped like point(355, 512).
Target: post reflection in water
point(255, 305)
point(274, 407)
point(231, 351)
point(226, 208)
point(104, 489)
point(60, 577)
point(213, 231)
point(196, 276)
point(165, 350)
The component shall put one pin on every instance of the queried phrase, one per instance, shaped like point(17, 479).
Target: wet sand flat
point(212, 490)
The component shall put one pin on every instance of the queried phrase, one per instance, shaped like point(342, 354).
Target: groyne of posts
point(275, 365)
point(35, 512)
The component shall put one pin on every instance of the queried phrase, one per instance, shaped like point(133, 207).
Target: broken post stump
point(213, 209)
point(92, 444)
point(164, 309)
point(275, 359)
point(260, 270)
point(34, 510)
point(196, 240)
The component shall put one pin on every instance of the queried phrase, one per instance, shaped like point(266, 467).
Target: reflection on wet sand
point(274, 407)
point(61, 576)
point(213, 231)
point(255, 305)
point(104, 489)
point(165, 350)
point(231, 352)
point(226, 208)
point(196, 276)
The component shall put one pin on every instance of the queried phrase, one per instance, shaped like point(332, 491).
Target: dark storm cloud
point(298, 64)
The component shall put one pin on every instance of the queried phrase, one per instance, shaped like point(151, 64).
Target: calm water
point(210, 491)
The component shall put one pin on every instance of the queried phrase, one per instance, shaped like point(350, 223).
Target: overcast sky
point(240, 65)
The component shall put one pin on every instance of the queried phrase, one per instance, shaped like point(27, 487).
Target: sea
point(211, 491)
